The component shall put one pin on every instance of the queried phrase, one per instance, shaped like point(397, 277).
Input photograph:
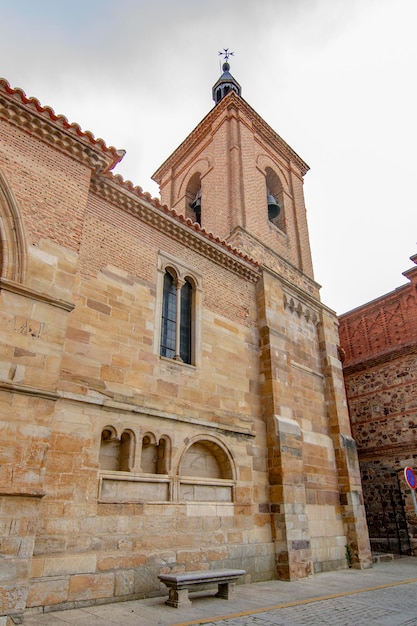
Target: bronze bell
point(273, 207)
point(196, 206)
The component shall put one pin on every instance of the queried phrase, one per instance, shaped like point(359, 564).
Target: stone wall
point(118, 464)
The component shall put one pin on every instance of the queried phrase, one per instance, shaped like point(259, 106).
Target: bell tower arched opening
point(275, 200)
point(194, 198)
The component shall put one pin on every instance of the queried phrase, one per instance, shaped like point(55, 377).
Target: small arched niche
point(274, 188)
point(109, 458)
point(127, 448)
point(206, 459)
point(149, 457)
point(116, 455)
point(155, 455)
point(163, 454)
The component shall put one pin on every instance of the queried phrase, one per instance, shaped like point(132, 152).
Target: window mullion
point(179, 284)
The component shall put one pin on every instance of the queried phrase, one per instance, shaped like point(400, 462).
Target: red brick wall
point(50, 188)
point(381, 326)
point(232, 159)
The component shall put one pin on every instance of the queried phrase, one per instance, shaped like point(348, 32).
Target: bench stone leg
point(225, 590)
point(178, 598)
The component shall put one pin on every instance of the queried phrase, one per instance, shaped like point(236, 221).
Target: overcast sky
point(335, 78)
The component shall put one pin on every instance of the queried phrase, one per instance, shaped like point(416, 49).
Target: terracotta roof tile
point(72, 127)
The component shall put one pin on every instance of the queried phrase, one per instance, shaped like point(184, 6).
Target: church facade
point(171, 393)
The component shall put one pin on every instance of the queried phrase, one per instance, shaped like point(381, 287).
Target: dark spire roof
point(225, 83)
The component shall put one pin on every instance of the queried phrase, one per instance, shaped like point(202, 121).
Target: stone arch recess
point(12, 237)
point(212, 443)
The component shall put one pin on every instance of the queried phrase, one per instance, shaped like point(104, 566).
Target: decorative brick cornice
point(29, 115)
point(132, 200)
point(371, 333)
point(205, 126)
point(278, 144)
point(374, 361)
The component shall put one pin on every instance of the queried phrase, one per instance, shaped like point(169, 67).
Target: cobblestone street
point(393, 606)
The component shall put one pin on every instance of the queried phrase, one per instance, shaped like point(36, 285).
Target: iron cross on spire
point(226, 54)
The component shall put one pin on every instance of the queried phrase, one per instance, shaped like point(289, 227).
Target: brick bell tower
point(238, 179)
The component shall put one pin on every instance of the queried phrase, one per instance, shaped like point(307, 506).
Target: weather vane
point(226, 54)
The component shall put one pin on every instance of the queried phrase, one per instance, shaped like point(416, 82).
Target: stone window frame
point(180, 272)
point(176, 318)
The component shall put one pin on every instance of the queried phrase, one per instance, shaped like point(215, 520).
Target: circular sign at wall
point(410, 477)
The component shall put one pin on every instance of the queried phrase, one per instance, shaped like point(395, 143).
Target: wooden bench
point(180, 584)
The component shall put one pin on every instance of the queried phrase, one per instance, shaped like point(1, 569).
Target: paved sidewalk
point(385, 595)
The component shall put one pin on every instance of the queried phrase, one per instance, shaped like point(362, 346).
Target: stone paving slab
point(385, 595)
